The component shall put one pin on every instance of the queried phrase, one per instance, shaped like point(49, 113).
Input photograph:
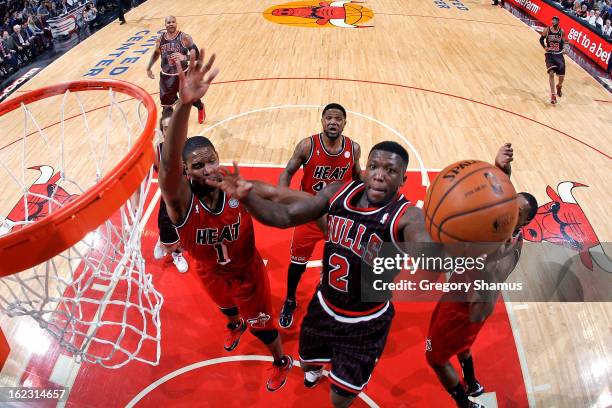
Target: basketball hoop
point(70, 252)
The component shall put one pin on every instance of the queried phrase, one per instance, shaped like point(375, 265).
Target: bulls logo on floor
point(43, 197)
point(342, 14)
point(562, 221)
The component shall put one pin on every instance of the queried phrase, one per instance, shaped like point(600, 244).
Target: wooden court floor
point(449, 83)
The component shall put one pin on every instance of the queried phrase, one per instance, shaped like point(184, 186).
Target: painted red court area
point(195, 371)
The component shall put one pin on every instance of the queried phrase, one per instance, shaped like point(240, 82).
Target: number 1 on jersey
point(222, 257)
point(338, 275)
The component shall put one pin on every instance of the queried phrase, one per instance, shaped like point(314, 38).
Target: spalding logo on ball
point(471, 201)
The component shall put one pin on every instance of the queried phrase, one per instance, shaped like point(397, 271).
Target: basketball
point(471, 201)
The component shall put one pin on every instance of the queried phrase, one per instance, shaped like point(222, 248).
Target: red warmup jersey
point(221, 240)
point(322, 168)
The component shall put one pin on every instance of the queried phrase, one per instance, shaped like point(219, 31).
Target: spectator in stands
point(583, 12)
point(37, 34)
point(15, 19)
point(598, 21)
point(8, 56)
point(23, 38)
point(54, 10)
point(9, 43)
point(567, 4)
point(41, 23)
point(607, 30)
point(24, 48)
point(43, 10)
point(606, 10)
point(29, 8)
point(90, 14)
point(63, 7)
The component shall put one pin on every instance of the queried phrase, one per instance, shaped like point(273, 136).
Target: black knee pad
point(266, 336)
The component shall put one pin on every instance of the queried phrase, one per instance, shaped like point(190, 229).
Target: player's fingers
point(179, 70)
point(224, 171)
point(212, 76)
point(210, 63)
point(201, 56)
point(192, 62)
point(236, 169)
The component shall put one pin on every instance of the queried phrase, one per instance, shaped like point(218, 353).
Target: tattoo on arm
point(299, 157)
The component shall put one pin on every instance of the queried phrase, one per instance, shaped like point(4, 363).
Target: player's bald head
point(168, 18)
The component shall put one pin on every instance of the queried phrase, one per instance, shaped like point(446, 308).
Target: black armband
point(195, 48)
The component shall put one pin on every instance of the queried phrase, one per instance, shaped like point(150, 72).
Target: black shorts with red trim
point(167, 230)
point(168, 89)
point(353, 349)
point(555, 63)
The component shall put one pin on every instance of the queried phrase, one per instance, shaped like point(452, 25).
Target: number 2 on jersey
point(338, 275)
point(222, 257)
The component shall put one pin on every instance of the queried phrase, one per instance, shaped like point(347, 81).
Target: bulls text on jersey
point(345, 232)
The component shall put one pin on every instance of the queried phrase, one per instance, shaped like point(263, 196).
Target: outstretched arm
point(174, 186)
point(300, 155)
point(278, 194)
point(154, 57)
point(299, 211)
point(504, 157)
point(275, 206)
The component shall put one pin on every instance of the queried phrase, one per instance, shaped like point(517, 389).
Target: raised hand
point(193, 85)
point(504, 157)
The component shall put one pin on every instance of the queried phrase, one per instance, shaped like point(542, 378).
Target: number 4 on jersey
point(319, 186)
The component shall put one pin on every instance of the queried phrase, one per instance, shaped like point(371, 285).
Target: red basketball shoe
point(232, 336)
point(279, 374)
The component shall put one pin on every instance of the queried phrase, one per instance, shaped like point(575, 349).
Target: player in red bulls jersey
point(173, 46)
point(339, 328)
point(326, 157)
point(456, 321)
point(216, 230)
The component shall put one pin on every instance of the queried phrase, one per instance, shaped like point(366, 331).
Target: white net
point(95, 298)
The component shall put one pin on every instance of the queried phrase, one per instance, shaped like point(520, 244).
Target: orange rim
point(44, 239)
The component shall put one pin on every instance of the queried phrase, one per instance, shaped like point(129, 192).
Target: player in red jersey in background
point(457, 320)
point(326, 157)
point(217, 231)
